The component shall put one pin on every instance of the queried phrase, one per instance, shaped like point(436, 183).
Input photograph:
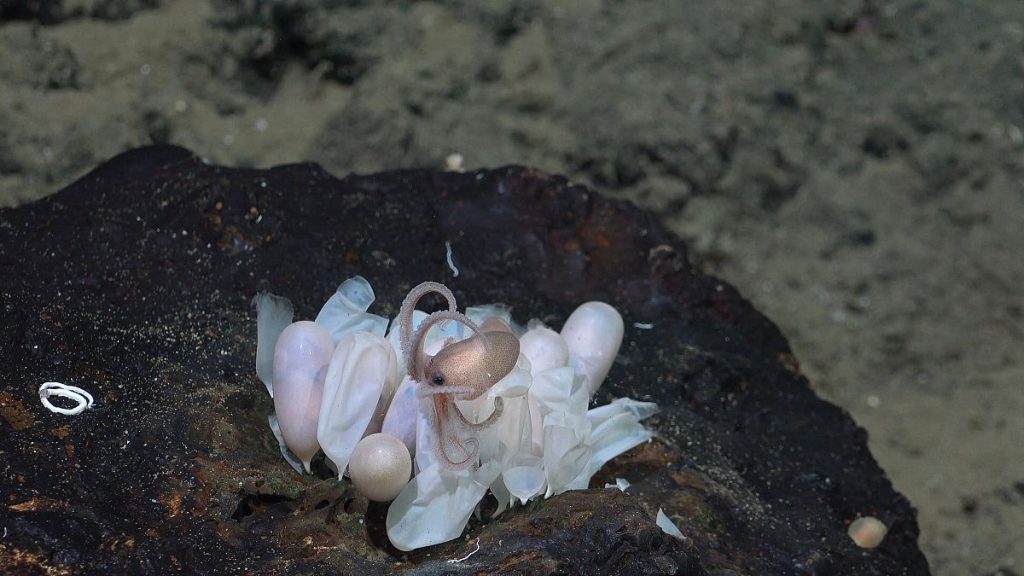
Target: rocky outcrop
point(136, 283)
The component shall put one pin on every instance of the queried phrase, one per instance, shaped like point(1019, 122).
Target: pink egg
point(301, 357)
point(380, 467)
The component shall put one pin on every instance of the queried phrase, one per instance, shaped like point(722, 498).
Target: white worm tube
point(81, 397)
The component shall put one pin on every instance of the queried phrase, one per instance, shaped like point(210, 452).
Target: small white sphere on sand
point(380, 467)
point(454, 162)
point(867, 531)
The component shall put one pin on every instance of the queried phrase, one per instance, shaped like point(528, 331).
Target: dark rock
point(882, 141)
point(340, 36)
point(43, 11)
point(136, 281)
point(54, 11)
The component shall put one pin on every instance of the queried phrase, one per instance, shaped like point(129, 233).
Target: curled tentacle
point(456, 444)
point(409, 306)
point(455, 451)
point(426, 390)
point(499, 406)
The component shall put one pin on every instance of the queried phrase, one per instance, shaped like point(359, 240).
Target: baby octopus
point(462, 370)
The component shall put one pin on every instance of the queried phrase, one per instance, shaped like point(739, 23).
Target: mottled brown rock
point(136, 284)
point(17, 416)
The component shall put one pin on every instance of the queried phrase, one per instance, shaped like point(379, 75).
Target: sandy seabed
point(856, 168)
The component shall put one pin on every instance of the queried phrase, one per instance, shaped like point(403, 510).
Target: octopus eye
point(437, 379)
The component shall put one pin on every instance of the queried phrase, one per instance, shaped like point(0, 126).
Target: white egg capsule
point(544, 348)
point(593, 334)
point(359, 385)
point(380, 467)
point(400, 420)
point(301, 356)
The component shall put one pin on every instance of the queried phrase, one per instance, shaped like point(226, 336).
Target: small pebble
point(453, 162)
point(867, 531)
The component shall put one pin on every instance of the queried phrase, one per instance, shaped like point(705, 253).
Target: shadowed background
point(854, 167)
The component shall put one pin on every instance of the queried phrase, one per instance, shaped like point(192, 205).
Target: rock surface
point(136, 284)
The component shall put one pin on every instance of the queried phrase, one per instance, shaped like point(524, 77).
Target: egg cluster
point(340, 385)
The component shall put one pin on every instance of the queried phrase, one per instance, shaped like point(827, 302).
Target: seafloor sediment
point(853, 167)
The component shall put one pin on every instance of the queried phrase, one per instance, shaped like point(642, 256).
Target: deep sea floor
point(855, 168)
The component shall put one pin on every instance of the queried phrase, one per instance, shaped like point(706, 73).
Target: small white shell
point(380, 467)
point(593, 333)
point(301, 356)
point(867, 532)
point(668, 526)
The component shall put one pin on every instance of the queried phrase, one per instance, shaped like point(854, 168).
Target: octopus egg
point(402, 415)
point(380, 467)
point(545, 348)
point(301, 357)
point(593, 334)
